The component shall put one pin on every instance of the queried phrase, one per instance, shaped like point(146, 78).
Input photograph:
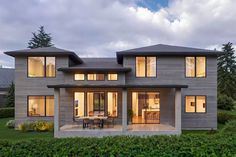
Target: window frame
point(96, 77)
point(45, 67)
point(80, 73)
point(145, 67)
point(112, 74)
point(195, 67)
point(45, 104)
point(195, 108)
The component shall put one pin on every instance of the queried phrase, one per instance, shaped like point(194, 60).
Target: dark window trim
point(112, 80)
point(145, 91)
point(195, 99)
point(45, 104)
point(145, 67)
point(195, 67)
point(96, 77)
point(105, 105)
point(45, 67)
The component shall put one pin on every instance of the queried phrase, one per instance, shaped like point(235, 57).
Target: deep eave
point(93, 69)
point(116, 86)
point(165, 50)
point(46, 51)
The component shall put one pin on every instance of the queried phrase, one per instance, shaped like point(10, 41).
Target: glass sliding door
point(96, 103)
point(145, 107)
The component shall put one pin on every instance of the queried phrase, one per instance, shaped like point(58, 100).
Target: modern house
point(6, 78)
point(153, 90)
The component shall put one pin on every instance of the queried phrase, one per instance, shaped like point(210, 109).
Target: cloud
point(101, 27)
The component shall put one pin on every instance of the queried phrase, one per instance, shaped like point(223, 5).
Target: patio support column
point(124, 110)
point(56, 111)
point(178, 110)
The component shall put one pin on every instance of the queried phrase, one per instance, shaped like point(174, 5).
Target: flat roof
point(116, 86)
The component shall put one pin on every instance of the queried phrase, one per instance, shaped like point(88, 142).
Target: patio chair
point(86, 123)
point(110, 122)
point(97, 123)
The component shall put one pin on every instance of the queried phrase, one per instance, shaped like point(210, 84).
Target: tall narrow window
point(36, 67)
point(112, 77)
point(195, 66)
point(50, 66)
point(201, 66)
point(195, 104)
point(151, 66)
point(112, 98)
point(145, 66)
point(140, 67)
point(79, 104)
point(79, 76)
point(49, 105)
point(190, 66)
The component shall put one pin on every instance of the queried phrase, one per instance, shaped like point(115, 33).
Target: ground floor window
point(145, 107)
point(195, 104)
point(40, 106)
point(97, 104)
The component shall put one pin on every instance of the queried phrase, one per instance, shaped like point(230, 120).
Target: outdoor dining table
point(94, 117)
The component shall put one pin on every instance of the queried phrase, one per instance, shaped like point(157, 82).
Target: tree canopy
point(40, 39)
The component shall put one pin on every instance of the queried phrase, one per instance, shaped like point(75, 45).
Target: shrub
point(7, 112)
point(225, 102)
point(10, 124)
point(177, 146)
point(39, 126)
point(224, 117)
point(230, 127)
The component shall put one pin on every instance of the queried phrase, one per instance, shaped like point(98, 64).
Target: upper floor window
point(195, 66)
point(41, 66)
point(195, 104)
point(94, 77)
point(145, 66)
point(79, 76)
point(112, 77)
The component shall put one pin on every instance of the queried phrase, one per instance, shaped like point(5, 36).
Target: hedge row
point(224, 117)
point(7, 112)
point(184, 145)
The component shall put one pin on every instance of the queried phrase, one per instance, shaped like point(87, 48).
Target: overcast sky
point(102, 27)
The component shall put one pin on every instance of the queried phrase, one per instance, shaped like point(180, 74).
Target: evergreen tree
point(40, 39)
point(10, 99)
point(227, 72)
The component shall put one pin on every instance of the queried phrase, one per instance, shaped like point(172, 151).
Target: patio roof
point(116, 86)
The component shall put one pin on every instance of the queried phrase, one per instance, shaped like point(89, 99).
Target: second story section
point(166, 64)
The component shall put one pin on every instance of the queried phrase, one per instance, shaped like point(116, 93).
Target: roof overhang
point(121, 54)
point(116, 86)
point(94, 69)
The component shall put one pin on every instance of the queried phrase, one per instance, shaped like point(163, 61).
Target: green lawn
point(14, 135)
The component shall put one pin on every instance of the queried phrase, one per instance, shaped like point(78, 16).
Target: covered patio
point(62, 128)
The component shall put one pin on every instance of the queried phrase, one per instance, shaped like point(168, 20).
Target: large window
point(146, 107)
point(96, 103)
point(195, 104)
point(94, 77)
point(112, 98)
point(41, 66)
point(40, 106)
point(195, 66)
point(79, 104)
point(145, 66)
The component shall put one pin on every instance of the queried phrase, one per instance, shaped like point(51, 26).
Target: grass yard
point(14, 135)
